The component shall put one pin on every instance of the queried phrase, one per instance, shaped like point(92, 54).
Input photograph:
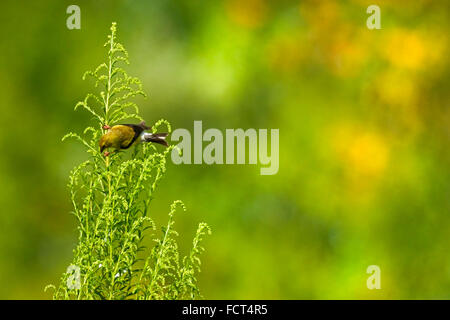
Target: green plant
point(111, 198)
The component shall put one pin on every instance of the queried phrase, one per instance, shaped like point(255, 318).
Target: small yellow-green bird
point(123, 136)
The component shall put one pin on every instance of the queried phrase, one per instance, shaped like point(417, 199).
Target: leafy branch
point(111, 201)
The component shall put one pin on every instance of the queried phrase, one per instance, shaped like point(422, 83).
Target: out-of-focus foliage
point(364, 123)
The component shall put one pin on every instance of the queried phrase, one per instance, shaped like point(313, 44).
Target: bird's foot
point(106, 127)
point(106, 153)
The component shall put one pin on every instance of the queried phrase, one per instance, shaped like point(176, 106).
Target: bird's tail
point(159, 138)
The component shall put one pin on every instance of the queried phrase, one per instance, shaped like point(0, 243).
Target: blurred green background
point(364, 139)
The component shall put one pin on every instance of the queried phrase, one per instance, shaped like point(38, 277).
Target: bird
point(123, 136)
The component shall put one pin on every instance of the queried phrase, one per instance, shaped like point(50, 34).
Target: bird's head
point(104, 142)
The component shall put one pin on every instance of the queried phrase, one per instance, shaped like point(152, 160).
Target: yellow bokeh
point(363, 153)
point(338, 44)
point(394, 87)
point(411, 49)
point(320, 15)
point(247, 13)
point(346, 56)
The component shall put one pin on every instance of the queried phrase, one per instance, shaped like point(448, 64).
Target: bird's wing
point(133, 131)
point(125, 136)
